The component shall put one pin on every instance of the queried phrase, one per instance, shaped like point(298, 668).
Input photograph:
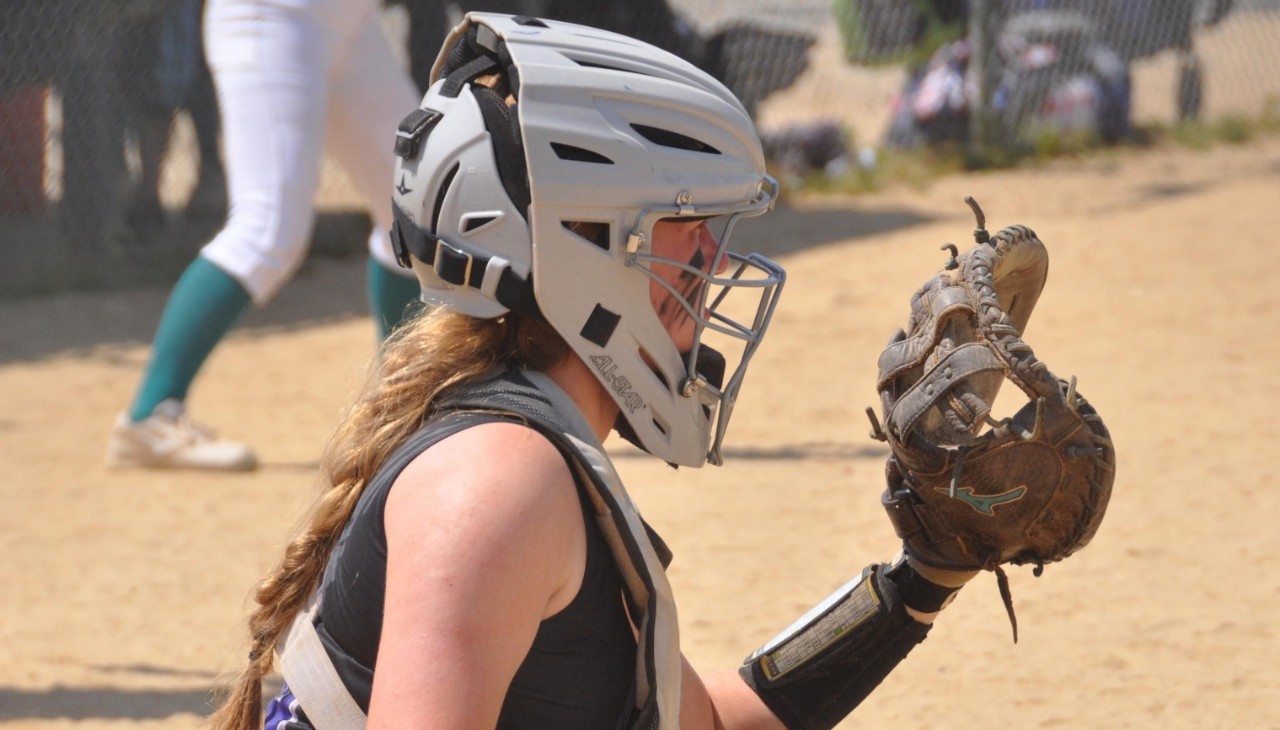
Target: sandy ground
point(122, 593)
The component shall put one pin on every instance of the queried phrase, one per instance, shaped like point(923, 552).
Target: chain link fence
point(109, 166)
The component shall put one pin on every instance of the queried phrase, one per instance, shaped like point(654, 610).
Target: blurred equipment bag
point(1033, 487)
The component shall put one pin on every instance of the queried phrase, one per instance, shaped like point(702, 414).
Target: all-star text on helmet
point(530, 180)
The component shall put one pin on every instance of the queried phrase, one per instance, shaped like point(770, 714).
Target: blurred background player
point(169, 74)
point(295, 80)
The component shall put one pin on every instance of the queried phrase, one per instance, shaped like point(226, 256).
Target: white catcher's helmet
point(605, 130)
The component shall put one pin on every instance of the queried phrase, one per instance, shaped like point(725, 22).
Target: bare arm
point(723, 700)
point(485, 540)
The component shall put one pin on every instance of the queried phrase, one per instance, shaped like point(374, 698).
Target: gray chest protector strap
point(532, 396)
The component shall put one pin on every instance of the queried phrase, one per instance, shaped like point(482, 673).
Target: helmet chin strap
point(710, 368)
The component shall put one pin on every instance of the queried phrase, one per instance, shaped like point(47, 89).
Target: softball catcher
point(475, 559)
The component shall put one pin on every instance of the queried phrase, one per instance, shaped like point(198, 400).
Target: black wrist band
point(919, 592)
point(824, 665)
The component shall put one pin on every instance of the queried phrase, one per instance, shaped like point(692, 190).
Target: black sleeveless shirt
point(580, 671)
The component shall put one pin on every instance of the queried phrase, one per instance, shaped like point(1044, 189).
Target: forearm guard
point(813, 674)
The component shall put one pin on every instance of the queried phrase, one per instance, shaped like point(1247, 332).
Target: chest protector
point(641, 558)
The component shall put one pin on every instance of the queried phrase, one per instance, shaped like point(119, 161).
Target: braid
point(421, 360)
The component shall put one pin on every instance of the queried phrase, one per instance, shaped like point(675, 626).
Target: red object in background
point(23, 133)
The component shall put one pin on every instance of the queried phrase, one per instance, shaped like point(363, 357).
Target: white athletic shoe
point(168, 439)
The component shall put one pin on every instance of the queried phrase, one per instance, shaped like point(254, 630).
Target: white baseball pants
point(297, 79)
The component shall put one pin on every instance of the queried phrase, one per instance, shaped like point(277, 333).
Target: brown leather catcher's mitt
point(966, 492)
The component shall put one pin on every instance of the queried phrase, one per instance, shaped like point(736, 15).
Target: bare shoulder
point(497, 467)
point(495, 502)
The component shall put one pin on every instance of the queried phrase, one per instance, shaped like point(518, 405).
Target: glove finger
point(1009, 274)
point(1020, 269)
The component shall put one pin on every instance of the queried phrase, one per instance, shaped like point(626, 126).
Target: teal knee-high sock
point(392, 298)
point(204, 304)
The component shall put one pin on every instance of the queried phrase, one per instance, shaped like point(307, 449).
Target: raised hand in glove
point(966, 492)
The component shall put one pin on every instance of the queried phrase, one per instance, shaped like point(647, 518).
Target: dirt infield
point(122, 593)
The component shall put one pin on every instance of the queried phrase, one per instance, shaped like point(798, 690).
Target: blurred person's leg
point(271, 69)
point(428, 26)
point(370, 94)
point(151, 72)
point(209, 199)
point(93, 131)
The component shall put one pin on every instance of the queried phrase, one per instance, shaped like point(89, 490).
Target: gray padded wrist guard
point(813, 674)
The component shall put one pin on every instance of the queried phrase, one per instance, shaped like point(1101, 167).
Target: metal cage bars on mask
point(750, 271)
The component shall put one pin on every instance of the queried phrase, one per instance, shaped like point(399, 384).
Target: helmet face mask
point(729, 296)
point(614, 136)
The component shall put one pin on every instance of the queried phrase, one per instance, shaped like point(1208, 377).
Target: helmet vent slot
point(657, 373)
point(669, 138)
point(597, 233)
point(606, 67)
point(578, 154)
point(473, 222)
point(444, 190)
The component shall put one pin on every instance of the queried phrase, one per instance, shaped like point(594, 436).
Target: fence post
point(984, 123)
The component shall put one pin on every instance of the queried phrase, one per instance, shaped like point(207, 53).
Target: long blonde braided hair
point(427, 356)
